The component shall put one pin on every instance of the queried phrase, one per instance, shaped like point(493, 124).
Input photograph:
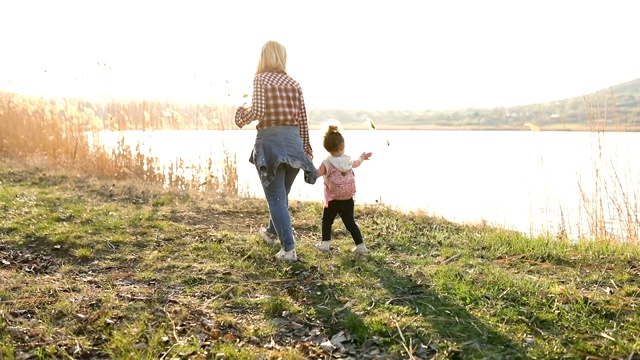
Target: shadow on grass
point(445, 326)
point(412, 318)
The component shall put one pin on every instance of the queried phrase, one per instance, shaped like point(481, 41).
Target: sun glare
point(494, 53)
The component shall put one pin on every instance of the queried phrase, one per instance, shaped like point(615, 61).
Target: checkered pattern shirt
point(277, 101)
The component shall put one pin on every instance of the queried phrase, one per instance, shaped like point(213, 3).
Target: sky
point(364, 55)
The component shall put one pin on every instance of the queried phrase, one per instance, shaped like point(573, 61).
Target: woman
point(282, 145)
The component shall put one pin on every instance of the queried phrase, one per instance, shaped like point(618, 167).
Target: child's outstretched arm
point(365, 156)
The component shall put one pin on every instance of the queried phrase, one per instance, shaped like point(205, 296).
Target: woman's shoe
point(287, 255)
point(270, 238)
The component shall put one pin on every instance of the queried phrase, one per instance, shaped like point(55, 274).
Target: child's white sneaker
point(287, 255)
point(270, 238)
point(323, 246)
point(360, 249)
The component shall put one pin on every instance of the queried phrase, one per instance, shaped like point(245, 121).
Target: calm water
point(528, 181)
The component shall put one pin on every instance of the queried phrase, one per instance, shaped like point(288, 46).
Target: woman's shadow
point(444, 326)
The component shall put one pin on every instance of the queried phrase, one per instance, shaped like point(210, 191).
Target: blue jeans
point(280, 145)
point(278, 155)
point(277, 194)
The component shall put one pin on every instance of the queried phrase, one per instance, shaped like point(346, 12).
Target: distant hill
point(629, 87)
point(614, 108)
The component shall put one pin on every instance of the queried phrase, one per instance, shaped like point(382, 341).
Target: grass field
point(91, 269)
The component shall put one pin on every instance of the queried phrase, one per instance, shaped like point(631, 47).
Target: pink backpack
point(342, 185)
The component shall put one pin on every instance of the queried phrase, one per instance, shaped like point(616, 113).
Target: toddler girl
point(339, 189)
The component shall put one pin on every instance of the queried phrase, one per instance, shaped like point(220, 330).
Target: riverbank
point(96, 269)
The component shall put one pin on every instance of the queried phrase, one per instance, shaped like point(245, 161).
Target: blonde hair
point(272, 57)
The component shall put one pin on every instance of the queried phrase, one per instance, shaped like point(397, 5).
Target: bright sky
point(401, 54)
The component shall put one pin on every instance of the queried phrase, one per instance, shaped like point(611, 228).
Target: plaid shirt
point(277, 101)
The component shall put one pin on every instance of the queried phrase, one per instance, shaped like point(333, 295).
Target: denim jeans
point(280, 145)
point(278, 156)
point(277, 194)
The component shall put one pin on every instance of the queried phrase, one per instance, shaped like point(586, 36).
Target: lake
point(533, 182)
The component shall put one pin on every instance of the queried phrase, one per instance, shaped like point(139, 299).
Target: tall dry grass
point(64, 134)
point(610, 201)
point(608, 204)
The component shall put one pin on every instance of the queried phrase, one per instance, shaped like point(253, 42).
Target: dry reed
point(609, 203)
point(64, 134)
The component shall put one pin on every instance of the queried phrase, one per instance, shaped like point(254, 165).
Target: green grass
point(120, 271)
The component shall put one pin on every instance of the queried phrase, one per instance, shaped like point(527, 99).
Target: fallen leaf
point(271, 344)
point(338, 338)
point(295, 325)
point(208, 323)
point(327, 346)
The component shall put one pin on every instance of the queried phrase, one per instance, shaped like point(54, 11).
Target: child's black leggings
point(344, 208)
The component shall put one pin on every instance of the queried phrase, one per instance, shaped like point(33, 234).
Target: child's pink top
point(343, 163)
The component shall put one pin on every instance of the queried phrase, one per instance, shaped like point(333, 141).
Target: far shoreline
point(571, 128)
